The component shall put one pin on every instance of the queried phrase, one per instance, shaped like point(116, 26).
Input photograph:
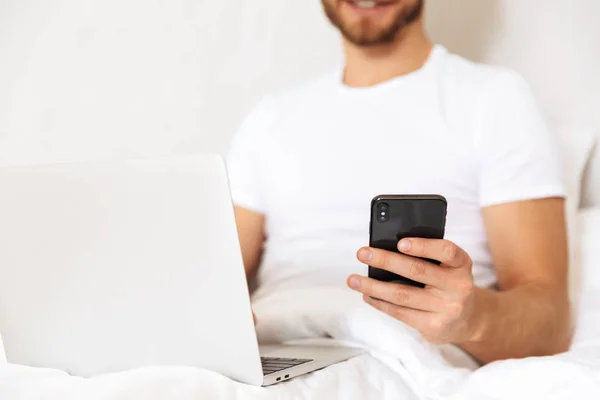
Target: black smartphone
point(404, 216)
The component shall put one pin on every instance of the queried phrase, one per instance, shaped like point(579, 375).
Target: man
point(406, 117)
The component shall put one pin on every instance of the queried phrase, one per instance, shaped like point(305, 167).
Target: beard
point(366, 33)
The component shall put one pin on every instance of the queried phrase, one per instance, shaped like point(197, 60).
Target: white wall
point(85, 78)
point(555, 44)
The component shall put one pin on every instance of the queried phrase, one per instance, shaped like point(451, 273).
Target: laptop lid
point(112, 265)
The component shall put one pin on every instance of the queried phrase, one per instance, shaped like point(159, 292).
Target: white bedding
point(399, 364)
point(411, 368)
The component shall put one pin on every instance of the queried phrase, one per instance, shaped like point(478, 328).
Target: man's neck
point(368, 66)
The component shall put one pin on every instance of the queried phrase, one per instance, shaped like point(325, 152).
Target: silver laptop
point(109, 266)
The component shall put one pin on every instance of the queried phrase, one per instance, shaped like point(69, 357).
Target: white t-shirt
point(312, 159)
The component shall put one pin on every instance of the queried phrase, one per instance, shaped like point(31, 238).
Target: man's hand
point(443, 312)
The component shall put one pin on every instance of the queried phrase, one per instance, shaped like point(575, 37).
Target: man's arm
point(528, 316)
point(250, 225)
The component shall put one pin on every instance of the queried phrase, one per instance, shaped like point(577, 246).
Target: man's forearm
point(526, 321)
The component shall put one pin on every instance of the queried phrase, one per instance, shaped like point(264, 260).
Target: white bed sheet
point(411, 368)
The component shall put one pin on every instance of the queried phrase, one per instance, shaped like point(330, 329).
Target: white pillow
point(2, 354)
point(588, 318)
point(591, 191)
point(589, 255)
point(576, 145)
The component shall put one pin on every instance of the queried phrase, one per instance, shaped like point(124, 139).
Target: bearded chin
point(366, 35)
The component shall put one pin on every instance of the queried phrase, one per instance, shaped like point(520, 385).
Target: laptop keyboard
point(271, 365)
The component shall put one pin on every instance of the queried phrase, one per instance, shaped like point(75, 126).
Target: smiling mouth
point(368, 4)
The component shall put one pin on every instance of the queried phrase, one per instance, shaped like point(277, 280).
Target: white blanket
point(400, 365)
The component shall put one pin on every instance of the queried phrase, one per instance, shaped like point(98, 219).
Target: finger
point(409, 267)
point(398, 294)
point(444, 251)
point(415, 318)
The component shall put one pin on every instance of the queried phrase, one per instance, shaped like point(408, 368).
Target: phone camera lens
point(383, 212)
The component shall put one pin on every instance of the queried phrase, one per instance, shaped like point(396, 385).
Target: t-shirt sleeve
point(244, 158)
point(519, 157)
